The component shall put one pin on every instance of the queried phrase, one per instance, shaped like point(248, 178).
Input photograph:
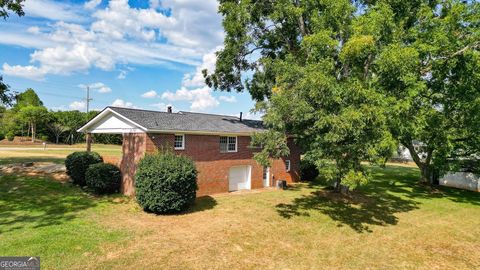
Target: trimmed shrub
point(308, 170)
point(103, 178)
point(10, 136)
point(166, 183)
point(77, 164)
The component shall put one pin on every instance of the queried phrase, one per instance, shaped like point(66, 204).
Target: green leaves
point(166, 183)
point(11, 5)
point(272, 144)
point(350, 79)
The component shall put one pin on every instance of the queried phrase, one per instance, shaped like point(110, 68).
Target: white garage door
point(239, 178)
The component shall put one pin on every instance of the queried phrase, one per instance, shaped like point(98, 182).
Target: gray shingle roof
point(188, 121)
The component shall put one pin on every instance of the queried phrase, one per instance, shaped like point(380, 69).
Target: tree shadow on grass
point(13, 160)
point(38, 202)
point(375, 204)
point(406, 183)
point(356, 210)
point(392, 190)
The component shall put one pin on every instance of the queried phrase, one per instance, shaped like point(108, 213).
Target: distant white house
point(403, 154)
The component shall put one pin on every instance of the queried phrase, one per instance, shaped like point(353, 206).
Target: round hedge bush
point(77, 164)
point(103, 178)
point(166, 183)
point(308, 170)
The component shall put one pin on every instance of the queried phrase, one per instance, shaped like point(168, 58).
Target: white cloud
point(78, 105)
point(253, 116)
point(33, 30)
point(122, 75)
point(150, 94)
point(229, 99)
point(121, 103)
point(98, 86)
point(199, 24)
point(51, 10)
point(92, 4)
point(28, 72)
point(200, 98)
point(119, 20)
point(196, 78)
point(118, 34)
point(104, 89)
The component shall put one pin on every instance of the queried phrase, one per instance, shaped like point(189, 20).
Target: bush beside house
point(77, 164)
point(166, 183)
point(103, 178)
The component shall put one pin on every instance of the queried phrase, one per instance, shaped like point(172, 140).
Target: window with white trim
point(179, 142)
point(287, 165)
point(228, 144)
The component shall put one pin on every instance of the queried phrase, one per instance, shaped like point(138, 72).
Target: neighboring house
point(219, 145)
point(403, 154)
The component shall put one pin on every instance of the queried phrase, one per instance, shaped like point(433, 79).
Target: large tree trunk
point(425, 166)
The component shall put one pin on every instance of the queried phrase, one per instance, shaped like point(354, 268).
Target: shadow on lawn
point(38, 202)
point(392, 190)
point(12, 160)
point(375, 204)
point(202, 204)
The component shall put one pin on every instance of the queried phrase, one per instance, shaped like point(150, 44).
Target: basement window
point(228, 144)
point(179, 143)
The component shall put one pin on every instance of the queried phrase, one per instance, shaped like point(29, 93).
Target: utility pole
point(88, 98)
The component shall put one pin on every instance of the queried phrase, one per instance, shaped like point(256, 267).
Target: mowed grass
point(52, 153)
point(392, 223)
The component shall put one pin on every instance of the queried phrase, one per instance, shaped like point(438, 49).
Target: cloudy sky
point(137, 53)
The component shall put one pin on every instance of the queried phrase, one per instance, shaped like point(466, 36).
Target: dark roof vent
point(169, 109)
point(241, 114)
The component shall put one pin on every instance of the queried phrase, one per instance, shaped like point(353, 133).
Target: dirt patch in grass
point(44, 169)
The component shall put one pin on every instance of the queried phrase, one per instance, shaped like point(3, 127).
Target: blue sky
point(141, 54)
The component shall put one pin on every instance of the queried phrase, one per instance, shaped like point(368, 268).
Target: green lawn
point(391, 224)
point(52, 153)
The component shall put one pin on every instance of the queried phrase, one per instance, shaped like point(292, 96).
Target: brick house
point(218, 144)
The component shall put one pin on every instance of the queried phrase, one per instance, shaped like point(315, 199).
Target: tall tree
point(5, 96)
point(33, 115)
point(15, 6)
point(308, 86)
point(27, 98)
point(348, 78)
point(431, 73)
point(73, 120)
point(57, 129)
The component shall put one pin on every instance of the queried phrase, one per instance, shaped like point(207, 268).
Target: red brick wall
point(133, 150)
point(214, 166)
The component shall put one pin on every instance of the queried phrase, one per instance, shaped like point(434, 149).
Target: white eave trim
point(102, 114)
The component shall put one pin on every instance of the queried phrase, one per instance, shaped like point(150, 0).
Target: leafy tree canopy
point(33, 115)
point(5, 95)
point(14, 6)
point(27, 98)
point(348, 79)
